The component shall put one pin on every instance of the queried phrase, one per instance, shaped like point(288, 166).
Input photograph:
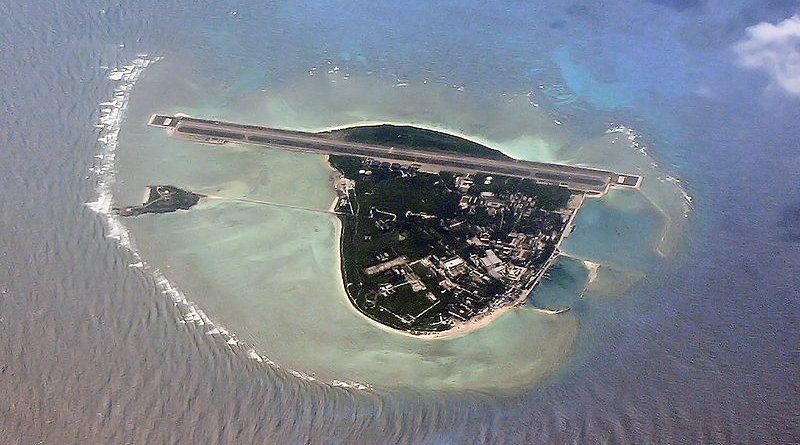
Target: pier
point(582, 179)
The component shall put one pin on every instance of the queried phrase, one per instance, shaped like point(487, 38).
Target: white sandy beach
point(479, 321)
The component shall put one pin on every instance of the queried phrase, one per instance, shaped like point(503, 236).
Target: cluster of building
point(495, 248)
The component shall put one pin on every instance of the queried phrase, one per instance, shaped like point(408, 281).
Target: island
point(440, 234)
point(162, 199)
point(427, 251)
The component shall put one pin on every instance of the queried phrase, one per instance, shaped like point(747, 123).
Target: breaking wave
point(109, 123)
point(635, 142)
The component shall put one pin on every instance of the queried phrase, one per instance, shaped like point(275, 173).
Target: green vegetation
point(163, 199)
point(412, 137)
point(549, 197)
point(421, 252)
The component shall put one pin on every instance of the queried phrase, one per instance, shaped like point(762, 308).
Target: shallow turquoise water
point(564, 286)
point(91, 351)
point(270, 275)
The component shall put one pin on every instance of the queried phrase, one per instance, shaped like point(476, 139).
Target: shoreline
point(485, 319)
point(346, 295)
point(368, 123)
point(340, 266)
point(332, 179)
point(464, 327)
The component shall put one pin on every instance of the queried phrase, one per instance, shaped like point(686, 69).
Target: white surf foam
point(634, 140)
point(110, 119)
point(111, 115)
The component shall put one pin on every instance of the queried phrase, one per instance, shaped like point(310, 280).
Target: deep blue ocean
point(704, 351)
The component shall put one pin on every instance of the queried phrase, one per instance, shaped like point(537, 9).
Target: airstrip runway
point(582, 179)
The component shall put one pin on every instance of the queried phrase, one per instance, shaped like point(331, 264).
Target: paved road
point(588, 180)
